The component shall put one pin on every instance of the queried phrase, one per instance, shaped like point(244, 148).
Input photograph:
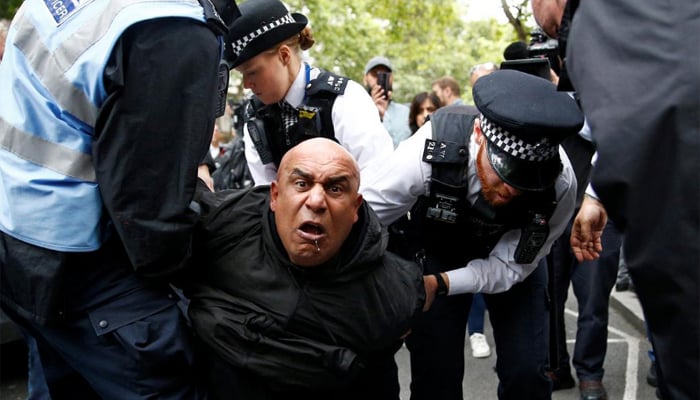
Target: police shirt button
point(103, 324)
point(462, 151)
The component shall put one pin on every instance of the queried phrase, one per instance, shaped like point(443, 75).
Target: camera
point(383, 80)
point(542, 46)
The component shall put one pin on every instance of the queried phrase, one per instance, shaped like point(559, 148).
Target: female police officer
point(294, 101)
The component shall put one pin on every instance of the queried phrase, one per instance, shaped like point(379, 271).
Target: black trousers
point(592, 282)
point(519, 318)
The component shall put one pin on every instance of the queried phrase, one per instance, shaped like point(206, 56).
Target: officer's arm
point(152, 133)
point(499, 271)
point(403, 177)
point(358, 128)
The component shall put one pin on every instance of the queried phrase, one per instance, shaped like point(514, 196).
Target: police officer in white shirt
point(294, 101)
point(487, 194)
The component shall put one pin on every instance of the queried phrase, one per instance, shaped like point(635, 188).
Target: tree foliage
point(424, 39)
point(8, 8)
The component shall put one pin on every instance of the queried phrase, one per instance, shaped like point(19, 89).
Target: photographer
point(379, 79)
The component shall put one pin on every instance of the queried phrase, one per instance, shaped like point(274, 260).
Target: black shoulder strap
point(256, 130)
point(321, 94)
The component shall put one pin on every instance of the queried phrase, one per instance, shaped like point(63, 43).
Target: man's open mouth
point(311, 228)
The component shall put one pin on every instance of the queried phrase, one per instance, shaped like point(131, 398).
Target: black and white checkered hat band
point(543, 150)
point(240, 44)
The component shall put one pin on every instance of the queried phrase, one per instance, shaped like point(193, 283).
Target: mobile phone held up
point(384, 81)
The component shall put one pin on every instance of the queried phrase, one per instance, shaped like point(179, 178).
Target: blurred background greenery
point(424, 39)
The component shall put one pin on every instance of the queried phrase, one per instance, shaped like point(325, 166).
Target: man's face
point(494, 190)
point(315, 200)
point(371, 76)
point(440, 93)
point(548, 14)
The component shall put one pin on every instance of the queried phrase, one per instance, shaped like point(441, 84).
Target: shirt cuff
point(591, 192)
point(462, 280)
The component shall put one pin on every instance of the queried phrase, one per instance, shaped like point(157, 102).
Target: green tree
point(8, 8)
point(424, 39)
point(518, 12)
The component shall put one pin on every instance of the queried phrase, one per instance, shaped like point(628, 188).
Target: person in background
point(292, 100)
point(655, 205)
point(97, 176)
point(297, 297)
point(422, 105)
point(394, 115)
point(480, 70)
point(447, 90)
point(4, 26)
point(491, 192)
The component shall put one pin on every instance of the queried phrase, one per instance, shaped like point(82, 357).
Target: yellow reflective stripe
point(47, 154)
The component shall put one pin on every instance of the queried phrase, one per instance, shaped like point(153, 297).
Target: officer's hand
point(205, 176)
point(587, 230)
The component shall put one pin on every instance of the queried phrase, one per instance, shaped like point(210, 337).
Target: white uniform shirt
point(355, 121)
point(404, 177)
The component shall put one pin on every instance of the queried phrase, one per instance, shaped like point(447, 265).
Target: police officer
point(107, 108)
point(294, 101)
point(491, 192)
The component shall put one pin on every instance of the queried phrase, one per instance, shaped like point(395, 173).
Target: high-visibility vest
point(51, 89)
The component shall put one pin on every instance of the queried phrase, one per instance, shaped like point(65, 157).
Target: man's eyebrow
point(337, 179)
point(303, 174)
point(329, 181)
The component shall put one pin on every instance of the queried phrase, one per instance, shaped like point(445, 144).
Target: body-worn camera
point(384, 81)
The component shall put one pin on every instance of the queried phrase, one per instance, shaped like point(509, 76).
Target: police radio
point(532, 238)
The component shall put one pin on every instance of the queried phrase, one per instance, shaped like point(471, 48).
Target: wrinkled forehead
point(320, 158)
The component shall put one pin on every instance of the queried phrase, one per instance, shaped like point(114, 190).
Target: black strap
point(442, 286)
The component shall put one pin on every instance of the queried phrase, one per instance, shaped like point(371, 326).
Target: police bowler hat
point(524, 119)
point(262, 25)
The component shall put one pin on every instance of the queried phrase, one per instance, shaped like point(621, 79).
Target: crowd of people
point(158, 240)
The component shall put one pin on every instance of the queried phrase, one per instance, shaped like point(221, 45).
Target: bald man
point(295, 294)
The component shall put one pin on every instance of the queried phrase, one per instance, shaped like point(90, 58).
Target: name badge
point(61, 10)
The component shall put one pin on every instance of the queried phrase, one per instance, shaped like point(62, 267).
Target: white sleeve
point(401, 180)
point(358, 129)
point(589, 189)
point(499, 271)
point(261, 174)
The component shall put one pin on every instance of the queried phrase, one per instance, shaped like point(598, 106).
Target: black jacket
point(296, 327)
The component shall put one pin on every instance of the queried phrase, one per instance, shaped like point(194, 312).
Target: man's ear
point(274, 193)
point(358, 203)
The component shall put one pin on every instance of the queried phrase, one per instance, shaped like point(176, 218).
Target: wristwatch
point(442, 286)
